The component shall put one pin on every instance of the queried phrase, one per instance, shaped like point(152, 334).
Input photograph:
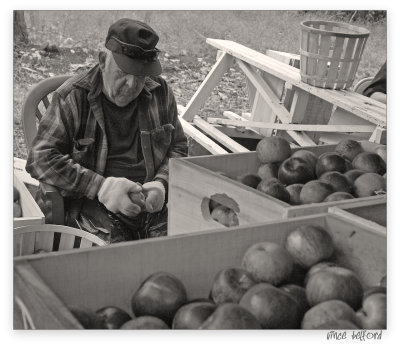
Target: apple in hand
point(192, 315)
point(113, 317)
point(309, 244)
point(373, 312)
point(268, 262)
point(230, 284)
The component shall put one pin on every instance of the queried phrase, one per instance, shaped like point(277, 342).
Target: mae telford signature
point(361, 335)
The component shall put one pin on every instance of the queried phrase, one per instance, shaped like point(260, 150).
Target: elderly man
point(106, 139)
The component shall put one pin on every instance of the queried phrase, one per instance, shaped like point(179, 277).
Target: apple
point(309, 244)
point(230, 284)
point(192, 315)
point(315, 191)
point(353, 174)
point(373, 312)
point(87, 318)
point(268, 170)
point(330, 310)
point(230, 316)
point(338, 325)
point(273, 187)
point(225, 216)
point(349, 148)
point(145, 322)
point(308, 156)
point(113, 317)
point(299, 295)
point(338, 180)
point(273, 149)
point(369, 184)
point(334, 283)
point(295, 170)
point(268, 262)
point(382, 152)
point(370, 163)
point(316, 268)
point(338, 196)
point(17, 210)
point(349, 165)
point(328, 162)
point(16, 194)
point(372, 290)
point(294, 193)
point(249, 179)
point(273, 307)
point(160, 295)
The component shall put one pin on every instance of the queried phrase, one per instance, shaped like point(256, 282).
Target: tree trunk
point(20, 30)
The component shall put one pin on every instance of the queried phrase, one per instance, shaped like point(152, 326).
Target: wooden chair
point(35, 105)
point(43, 238)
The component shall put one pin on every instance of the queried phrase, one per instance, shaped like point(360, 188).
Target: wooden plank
point(22, 174)
point(296, 127)
point(39, 302)
point(357, 104)
point(209, 83)
point(379, 135)
point(66, 241)
point(218, 135)
point(234, 116)
point(287, 58)
point(201, 138)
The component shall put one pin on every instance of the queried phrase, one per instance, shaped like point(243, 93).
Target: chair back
point(33, 239)
point(36, 102)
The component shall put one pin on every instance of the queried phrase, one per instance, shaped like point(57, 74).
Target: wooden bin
point(45, 285)
point(194, 180)
point(31, 213)
point(330, 53)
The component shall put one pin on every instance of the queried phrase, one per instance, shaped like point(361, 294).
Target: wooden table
point(280, 104)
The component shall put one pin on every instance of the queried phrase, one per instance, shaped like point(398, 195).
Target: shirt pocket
point(82, 151)
point(161, 138)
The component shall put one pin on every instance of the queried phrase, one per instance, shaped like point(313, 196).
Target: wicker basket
point(330, 53)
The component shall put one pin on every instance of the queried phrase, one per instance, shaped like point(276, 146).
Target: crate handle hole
point(220, 208)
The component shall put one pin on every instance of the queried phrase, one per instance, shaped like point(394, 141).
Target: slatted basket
point(330, 53)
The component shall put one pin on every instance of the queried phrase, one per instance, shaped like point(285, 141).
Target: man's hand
point(155, 196)
point(115, 195)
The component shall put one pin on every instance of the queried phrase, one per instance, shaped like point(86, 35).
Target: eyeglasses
point(132, 50)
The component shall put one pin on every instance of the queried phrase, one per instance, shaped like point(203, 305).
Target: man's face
point(119, 87)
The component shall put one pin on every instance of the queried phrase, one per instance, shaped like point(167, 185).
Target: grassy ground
point(186, 57)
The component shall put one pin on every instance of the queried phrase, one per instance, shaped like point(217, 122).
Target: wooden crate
point(46, 284)
point(194, 180)
point(31, 213)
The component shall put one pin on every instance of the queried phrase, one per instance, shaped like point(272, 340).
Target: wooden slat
point(28, 244)
point(66, 241)
point(333, 68)
point(219, 136)
point(357, 104)
point(85, 243)
point(205, 89)
point(44, 241)
point(234, 116)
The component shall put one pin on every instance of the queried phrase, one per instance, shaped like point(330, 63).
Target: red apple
point(230, 316)
point(160, 295)
point(373, 312)
point(273, 187)
point(299, 295)
point(338, 180)
point(331, 310)
point(192, 315)
point(268, 170)
point(308, 156)
point(338, 196)
point(113, 317)
point(225, 216)
point(273, 149)
point(353, 174)
point(230, 284)
point(268, 262)
point(249, 179)
point(382, 152)
point(295, 170)
point(370, 163)
point(328, 162)
point(349, 148)
point(145, 322)
point(309, 244)
point(273, 307)
point(334, 283)
point(294, 192)
point(315, 191)
point(369, 184)
point(316, 268)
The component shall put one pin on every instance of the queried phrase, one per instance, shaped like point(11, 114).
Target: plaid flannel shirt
point(70, 148)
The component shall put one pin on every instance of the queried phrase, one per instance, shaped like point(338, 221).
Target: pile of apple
point(302, 177)
point(290, 286)
point(17, 210)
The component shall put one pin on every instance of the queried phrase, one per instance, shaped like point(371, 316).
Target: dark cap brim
point(137, 67)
